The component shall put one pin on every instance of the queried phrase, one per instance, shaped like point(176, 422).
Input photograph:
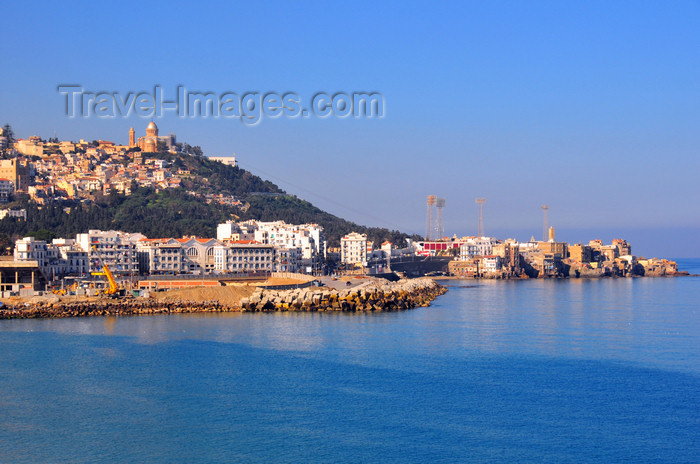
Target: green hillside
point(182, 211)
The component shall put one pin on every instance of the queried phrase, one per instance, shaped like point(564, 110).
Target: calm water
point(576, 371)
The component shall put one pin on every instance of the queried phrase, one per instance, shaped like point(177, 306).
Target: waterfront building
point(244, 257)
point(58, 259)
point(353, 249)
point(464, 268)
point(158, 256)
point(609, 252)
point(552, 247)
point(477, 246)
point(192, 255)
point(29, 249)
point(580, 253)
point(491, 263)
point(288, 260)
point(546, 264)
point(308, 239)
point(117, 250)
point(595, 244)
point(436, 247)
point(198, 254)
point(509, 253)
point(623, 247)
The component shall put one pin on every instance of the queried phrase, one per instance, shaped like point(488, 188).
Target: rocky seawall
point(107, 307)
point(389, 296)
point(377, 296)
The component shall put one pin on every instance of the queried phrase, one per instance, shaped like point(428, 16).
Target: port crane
point(113, 289)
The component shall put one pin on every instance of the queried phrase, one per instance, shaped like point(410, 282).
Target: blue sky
point(590, 107)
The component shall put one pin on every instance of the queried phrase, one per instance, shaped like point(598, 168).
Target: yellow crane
point(113, 288)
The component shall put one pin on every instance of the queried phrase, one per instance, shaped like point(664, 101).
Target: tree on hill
point(8, 133)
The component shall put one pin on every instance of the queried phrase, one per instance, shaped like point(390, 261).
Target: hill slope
point(184, 210)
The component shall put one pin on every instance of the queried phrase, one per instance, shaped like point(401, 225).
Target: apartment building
point(60, 258)
point(353, 249)
point(308, 239)
point(244, 257)
point(116, 249)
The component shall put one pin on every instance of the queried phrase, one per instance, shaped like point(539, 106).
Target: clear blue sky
point(590, 107)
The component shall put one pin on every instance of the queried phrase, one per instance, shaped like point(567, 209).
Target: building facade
point(58, 259)
point(19, 172)
point(353, 249)
point(149, 143)
point(244, 257)
point(116, 249)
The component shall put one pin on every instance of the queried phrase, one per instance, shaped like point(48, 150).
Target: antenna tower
point(480, 202)
point(432, 200)
point(440, 204)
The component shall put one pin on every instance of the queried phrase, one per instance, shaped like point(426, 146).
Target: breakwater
point(389, 296)
point(107, 307)
point(377, 296)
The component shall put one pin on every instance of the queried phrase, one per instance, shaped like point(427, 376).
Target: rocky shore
point(107, 307)
point(378, 296)
point(375, 296)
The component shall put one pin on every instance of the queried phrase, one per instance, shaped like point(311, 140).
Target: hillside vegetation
point(182, 211)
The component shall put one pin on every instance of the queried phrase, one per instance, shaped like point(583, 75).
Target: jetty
point(373, 295)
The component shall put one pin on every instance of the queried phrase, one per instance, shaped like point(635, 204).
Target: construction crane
point(113, 289)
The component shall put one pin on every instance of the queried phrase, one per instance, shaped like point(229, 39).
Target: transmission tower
point(545, 209)
point(480, 202)
point(440, 227)
point(432, 200)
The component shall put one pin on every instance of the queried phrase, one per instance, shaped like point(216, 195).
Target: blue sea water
point(580, 371)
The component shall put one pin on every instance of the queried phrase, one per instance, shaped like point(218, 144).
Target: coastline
point(373, 296)
point(561, 277)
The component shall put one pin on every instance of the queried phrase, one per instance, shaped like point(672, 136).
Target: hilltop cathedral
point(149, 143)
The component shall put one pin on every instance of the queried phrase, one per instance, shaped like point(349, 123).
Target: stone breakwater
point(124, 307)
point(390, 296)
point(378, 296)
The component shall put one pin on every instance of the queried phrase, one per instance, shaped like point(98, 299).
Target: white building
point(491, 263)
point(160, 256)
point(229, 230)
point(288, 260)
point(58, 259)
point(117, 250)
point(7, 188)
point(353, 249)
point(15, 213)
point(476, 246)
point(229, 160)
point(198, 254)
point(29, 249)
point(192, 255)
point(308, 239)
point(245, 257)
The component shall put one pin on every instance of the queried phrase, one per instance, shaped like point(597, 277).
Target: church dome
point(152, 130)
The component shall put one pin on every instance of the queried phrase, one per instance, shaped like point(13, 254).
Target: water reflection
point(636, 320)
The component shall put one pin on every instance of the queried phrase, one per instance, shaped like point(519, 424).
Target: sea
point(536, 371)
